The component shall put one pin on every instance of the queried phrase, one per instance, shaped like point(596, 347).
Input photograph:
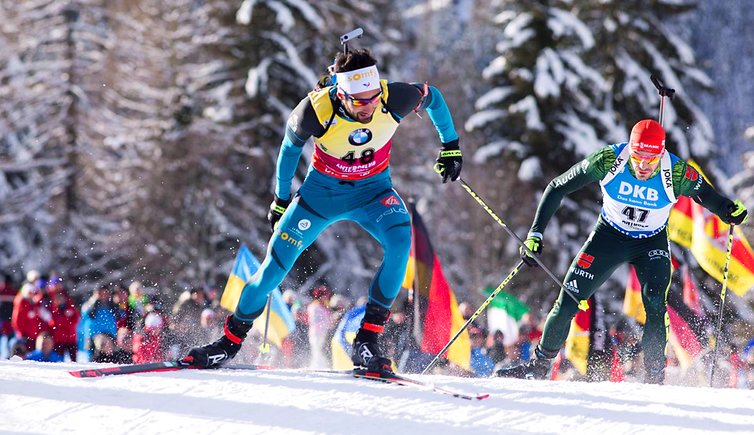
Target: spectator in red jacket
point(65, 320)
point(7, 294)
point(30, 317)
point(148, 343)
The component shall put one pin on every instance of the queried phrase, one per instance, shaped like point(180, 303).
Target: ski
point(392, 378)
point(161, 366)
point(167, 366)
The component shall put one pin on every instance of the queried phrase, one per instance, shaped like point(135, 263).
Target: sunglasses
point(358, 102)
point(649, 160)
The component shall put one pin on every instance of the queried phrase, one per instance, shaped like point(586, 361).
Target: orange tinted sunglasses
point(649, 160)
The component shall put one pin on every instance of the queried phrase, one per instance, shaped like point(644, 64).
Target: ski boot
point(537, 368)
point(222, 350)
point(367, 355)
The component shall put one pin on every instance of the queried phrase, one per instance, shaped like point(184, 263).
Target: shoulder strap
point(385, 94)
point(323, 106)
point(666, 168)
point(620, 162)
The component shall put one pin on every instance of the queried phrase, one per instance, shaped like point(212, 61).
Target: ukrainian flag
point(344, 336)
point(281, 319)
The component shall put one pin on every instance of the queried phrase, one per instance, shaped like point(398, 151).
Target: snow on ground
point(42, 398)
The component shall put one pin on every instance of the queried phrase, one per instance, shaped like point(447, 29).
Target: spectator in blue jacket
point(43, 351)
point(481, 364)
point(97, 317)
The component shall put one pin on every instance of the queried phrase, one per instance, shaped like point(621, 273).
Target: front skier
point(640, 182)
point(352, 122)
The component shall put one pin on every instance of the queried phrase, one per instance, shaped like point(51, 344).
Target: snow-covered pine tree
point(635, 41)
point(541, 116)
point(38, 143)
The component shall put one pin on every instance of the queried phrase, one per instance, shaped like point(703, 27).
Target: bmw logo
point(360, 137)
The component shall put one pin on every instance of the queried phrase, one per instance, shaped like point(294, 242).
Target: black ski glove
point(736, 213)
point(449, 161)
point(534, 243)
point(277, 208)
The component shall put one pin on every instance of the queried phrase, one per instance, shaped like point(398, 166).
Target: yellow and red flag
point(438, 316)
point(577, 343)
point(706, 236)
point(589, 347)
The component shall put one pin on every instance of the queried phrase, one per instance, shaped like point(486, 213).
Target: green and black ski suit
point(631, 229)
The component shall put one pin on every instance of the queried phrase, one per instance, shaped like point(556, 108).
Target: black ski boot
point(222, 350)
point(537, 368)
point(367, 355)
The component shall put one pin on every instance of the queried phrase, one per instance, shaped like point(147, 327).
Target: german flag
point(437, 318)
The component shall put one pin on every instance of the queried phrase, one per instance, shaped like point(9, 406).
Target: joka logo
point(360, 137)
point(573, 286)
point(641, 192)
point(616, 165)
point(691, 173)
point(390, 201)
point(585, 260)
point(667, 176)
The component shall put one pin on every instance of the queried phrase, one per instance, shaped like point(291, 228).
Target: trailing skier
point(640, 182)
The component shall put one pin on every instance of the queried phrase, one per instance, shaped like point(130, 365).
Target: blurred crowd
point(41, 321)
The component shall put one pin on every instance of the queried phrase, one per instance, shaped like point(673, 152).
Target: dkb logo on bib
point(641, 192)
point(360, 137)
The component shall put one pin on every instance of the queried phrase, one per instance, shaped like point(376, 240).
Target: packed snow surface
point(44, 398)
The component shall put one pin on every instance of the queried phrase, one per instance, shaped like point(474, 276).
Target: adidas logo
point(573, 286)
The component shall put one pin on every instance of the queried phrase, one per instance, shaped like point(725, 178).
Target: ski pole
point(265, 346)
point(722, 303)
point(476, 314)
point(583, 305)
point(664, 92)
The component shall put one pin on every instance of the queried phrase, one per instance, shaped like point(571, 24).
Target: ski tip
point(482, 396)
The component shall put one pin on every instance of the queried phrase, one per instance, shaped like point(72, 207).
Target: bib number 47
point(635, 214)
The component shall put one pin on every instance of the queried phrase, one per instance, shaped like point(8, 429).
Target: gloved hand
point(534, 243)
point(449, 161)
point(277, 208)
point(736, 213)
